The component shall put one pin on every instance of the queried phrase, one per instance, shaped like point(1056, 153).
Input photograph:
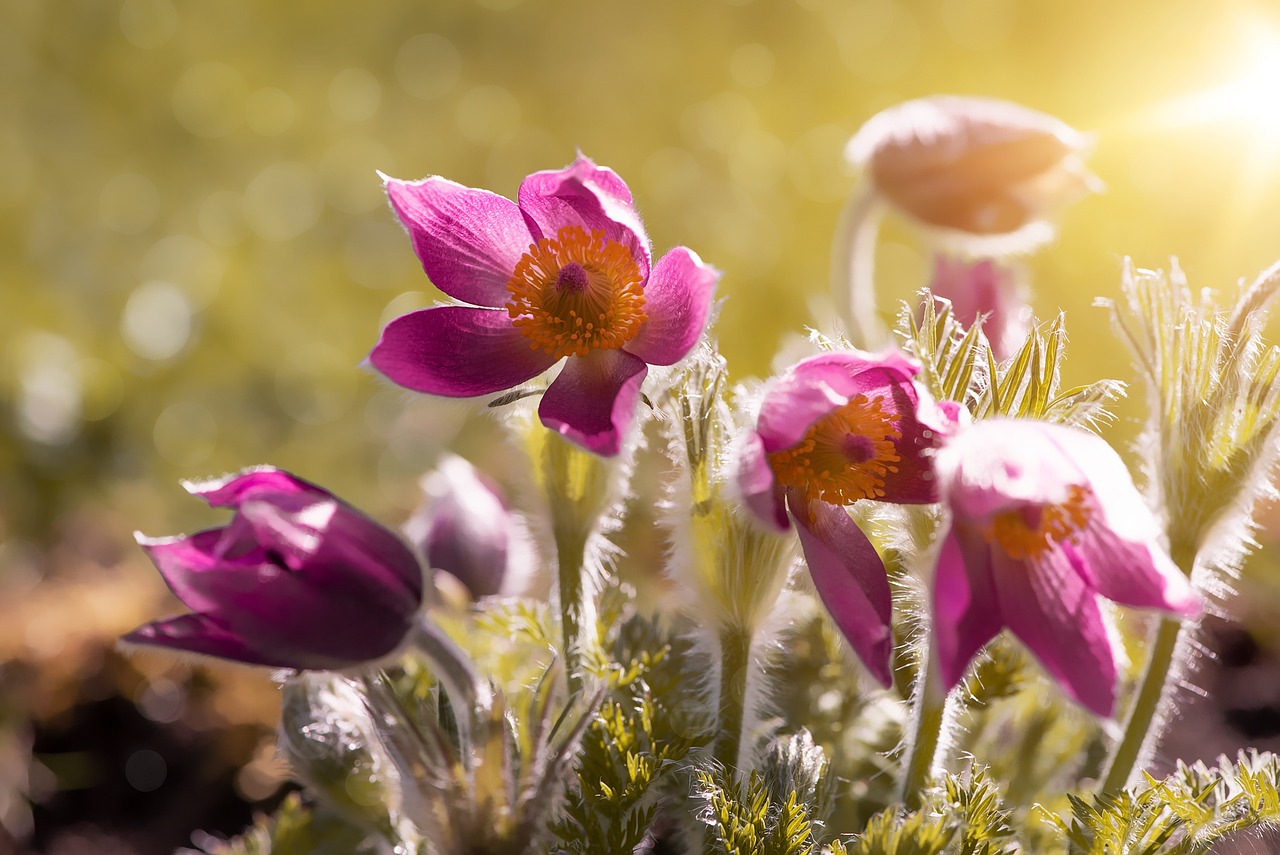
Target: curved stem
point(853, 262)
point(451, 666)
point(926, 730)
point(1138, 727)
point(735, 673)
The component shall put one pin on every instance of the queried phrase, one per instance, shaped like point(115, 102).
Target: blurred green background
point(196, 253)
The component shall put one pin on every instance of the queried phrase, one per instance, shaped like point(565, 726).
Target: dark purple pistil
point(572, 278)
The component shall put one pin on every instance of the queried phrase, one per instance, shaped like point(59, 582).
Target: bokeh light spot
point(751, 65)
point(757, 160)
point(879, 40)
point(50, 391)
point(488, 114)
point(148, 23)
point(282, 201)
point(145, 770)
point(354, 94)
point(161, 700)
point(187, 262)
point(128, 203)
point(156, 323)
point(209, 99)
point(270, 111)
point(185, 434)
point(428, 66)
point(717, 122)
point(103, 388)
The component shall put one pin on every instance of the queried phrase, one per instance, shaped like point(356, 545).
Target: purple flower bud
point(297, 579)
point(987, 287)
point(465, 529)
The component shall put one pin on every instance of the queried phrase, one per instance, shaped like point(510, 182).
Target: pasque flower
point(836, 428)
point(465, 529)
point(974, 166)
point(297, 579)
point(1045, 520)
point(563, 272)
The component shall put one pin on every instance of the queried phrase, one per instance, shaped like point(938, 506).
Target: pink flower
point(1045, 520)
point(984, 287)
point(465, 529)
point(834, 429)
point(563, 272)
point(973, 166)
point(297, 579)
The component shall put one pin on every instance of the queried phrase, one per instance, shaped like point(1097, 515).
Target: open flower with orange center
point(565, 271)
point(1045, 520)
point(834, 429)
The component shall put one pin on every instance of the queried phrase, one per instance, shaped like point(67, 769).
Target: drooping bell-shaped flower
point(564, 272)
point(1045, 520)
point(466, 530)
point(298, 579)
point(979, 167)
point(836, 428)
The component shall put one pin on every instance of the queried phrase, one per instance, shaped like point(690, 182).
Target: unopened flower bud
point(984, 288)
point(465, 529)
point(977, 166)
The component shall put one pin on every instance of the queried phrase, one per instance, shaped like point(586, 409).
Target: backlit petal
point(1055, 613)
point(468, 240)
point(583, 194)
point(760, 490)
point(592, 402)
point(851, 580)
point(677, 301)
point(456, 351)
point(966, 612)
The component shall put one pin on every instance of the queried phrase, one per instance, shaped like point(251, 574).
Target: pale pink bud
point(976, 166)
point(984, 287)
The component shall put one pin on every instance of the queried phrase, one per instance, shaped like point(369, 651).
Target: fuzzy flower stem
point(735, 672)
point(927, 716)
point(574, 617)
point(458, 677)
point(853, 261)
point(1150, 690)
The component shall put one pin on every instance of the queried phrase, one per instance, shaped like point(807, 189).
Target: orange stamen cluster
point(1031, 531)
point(844, 456)
point(576, 293)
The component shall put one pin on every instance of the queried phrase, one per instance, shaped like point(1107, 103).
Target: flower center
point(844, 456)
point(1033, 530)
point(576, 293)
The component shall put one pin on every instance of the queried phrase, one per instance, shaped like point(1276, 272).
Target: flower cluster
point(1001, 512)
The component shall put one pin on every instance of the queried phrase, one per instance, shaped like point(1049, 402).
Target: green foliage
point(744, 818)
point(964, 816)
point(296, 829)
point(1184, 814)
point(958, 365)
point(633, 746)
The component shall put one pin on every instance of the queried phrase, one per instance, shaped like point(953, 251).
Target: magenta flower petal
point(816, 386)
point(1057, 616)
point(457, 351)
point(593, 399)
point(468, 240)
point(297, 579)
point(198, 634)
point(760, 490)
point(1050, 515)
point(678, 301)
point(586, 195)
point(850, 579)
point(966, 613)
